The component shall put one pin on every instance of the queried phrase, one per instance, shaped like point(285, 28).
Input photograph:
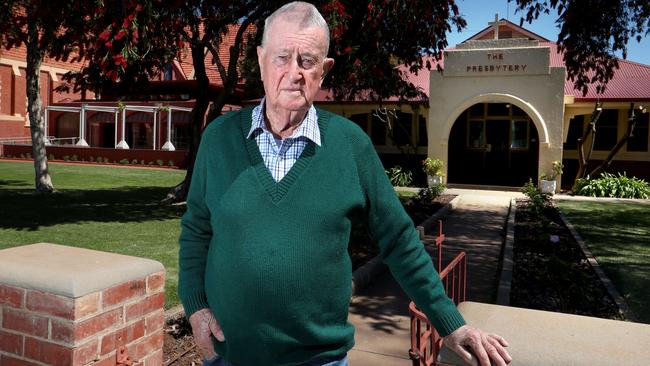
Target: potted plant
point(434, 170)
point(548, 183)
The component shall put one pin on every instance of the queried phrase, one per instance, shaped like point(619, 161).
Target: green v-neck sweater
point(270, 259)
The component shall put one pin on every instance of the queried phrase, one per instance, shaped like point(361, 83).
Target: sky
point(478, 13)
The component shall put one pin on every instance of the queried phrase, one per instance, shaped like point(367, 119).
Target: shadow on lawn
point(26, 210)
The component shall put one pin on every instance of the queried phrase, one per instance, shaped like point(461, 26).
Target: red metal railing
point(425, 340)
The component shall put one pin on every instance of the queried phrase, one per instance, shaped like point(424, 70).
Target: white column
point(155, 115)
point(46, 115)
point(168, 146)
point(82, 127)
point(123, 144)
point(115, 143)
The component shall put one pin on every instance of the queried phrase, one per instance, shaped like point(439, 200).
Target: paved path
point(380, 312)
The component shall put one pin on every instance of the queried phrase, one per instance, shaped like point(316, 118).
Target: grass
point(112, 209)
point(618, 235)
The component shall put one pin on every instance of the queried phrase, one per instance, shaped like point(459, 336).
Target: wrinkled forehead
point(285, 34)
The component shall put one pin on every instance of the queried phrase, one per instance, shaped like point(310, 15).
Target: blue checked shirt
point(280, 155)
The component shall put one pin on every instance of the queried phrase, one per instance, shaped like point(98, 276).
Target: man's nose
point(295, 71)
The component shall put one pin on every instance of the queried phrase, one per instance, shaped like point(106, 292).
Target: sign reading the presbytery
point(497, 62)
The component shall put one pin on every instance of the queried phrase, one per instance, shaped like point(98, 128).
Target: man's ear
point(328, 63)
point(260, 56)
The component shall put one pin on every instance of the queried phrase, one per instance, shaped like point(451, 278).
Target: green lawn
point(618, 235)
point(113, 209)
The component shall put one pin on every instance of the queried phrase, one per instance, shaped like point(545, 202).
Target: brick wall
point(41, 328)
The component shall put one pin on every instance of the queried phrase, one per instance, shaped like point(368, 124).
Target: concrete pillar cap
point(70, 271)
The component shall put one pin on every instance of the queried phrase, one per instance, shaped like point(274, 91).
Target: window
point(422, 132)
point(639, 139)
point(519, 135)
point(378, 131)
point(576, 129)
point(477, 110)
point(476, 134)
point(498, 109)
point(516, 111)
point(361, 120)
point(403, 129)
point(606, 130)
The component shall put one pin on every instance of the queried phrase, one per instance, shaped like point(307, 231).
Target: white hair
point(303, 14)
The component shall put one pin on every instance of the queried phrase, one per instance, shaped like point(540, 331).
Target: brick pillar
point(69, 306)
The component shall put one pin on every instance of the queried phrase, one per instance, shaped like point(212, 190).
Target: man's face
point(293, 65)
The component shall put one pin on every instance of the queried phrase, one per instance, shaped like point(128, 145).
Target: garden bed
point(550, 271)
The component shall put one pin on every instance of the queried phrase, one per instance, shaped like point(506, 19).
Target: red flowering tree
point(137, 38)
point(53, 29)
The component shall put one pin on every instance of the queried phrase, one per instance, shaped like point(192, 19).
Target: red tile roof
point(631, 81)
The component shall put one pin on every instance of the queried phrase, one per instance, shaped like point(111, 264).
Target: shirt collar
point(308, 127)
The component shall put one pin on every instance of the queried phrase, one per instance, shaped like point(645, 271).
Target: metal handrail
point(426, 342)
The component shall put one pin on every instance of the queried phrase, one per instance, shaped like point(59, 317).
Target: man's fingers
point(215, 329)
point(464, 354)
point(500, 339)
point(481, 350)
point(499, 347)
point(201, 329)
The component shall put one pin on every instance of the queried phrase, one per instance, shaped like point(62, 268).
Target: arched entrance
point(493, 144)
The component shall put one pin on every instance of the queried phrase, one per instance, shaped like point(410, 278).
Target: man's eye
point(308, 63)
point(282, 59)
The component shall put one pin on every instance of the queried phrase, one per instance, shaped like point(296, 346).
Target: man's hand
point(484, 347)
point(204, 324)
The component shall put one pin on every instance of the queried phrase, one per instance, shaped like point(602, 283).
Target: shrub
point(141, 162)
point(91, 159)
point(538, 199)
point(50, 157)
point(66, 158)
point(124, 161)
point(99, 159)
point(150, 163)
point(160, 162)
point(28, 155)
point(170, 163)
point(610, 185)
point(134, 161)
point(399, 177)
point(74, 158)
point(22, 156)
point(432, 166)
point(426, 195)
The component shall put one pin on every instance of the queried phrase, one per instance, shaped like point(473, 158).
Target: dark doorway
point(493, 144)
point(108, 135)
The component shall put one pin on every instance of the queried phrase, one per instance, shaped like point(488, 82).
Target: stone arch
point(532, 112)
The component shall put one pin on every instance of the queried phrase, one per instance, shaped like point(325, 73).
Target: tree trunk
point(179, 193)
point(583, 162)
point(35, 53)
point(631, 123)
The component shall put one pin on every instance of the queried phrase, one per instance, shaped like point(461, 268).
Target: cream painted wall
point(540, 95)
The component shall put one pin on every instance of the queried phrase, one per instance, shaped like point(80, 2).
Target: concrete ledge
point(55, 269)
point(545, 338)
point(593, 263)
point(507, 260)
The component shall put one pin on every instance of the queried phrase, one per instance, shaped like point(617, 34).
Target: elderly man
point(265, 277)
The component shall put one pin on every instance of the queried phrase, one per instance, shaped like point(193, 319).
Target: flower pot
point(434, 180)
point(547, 186)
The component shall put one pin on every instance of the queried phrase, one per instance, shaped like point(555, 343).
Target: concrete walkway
point(380, 312)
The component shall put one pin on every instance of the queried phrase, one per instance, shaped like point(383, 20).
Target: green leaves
point(609, 185)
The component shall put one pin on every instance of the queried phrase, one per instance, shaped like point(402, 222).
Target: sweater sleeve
point(400, 245)
point(196, 234)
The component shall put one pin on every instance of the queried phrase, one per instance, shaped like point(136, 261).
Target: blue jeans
point(336, 361)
